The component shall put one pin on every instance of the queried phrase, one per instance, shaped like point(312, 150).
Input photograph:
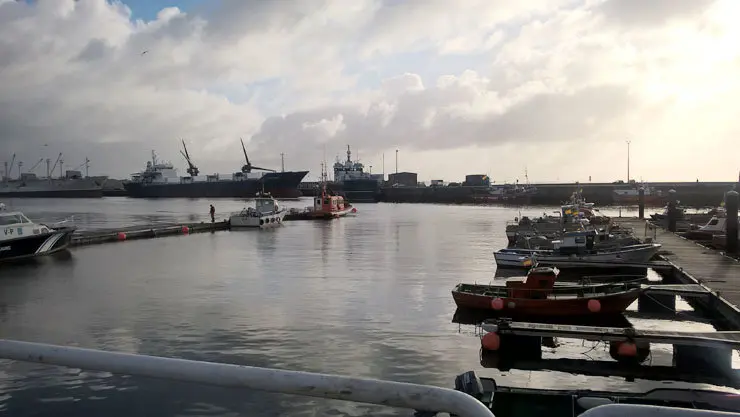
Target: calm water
point(365, 296)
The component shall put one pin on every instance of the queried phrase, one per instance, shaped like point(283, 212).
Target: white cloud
point(550, 79)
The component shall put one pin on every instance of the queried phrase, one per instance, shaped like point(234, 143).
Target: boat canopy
point(8, 219)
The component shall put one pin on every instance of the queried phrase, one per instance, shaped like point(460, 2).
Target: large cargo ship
point(71, 185)
point(31, 187)
point(356, 184)
point(161, 180)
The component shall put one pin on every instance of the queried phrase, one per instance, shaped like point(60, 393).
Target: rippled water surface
point(365, 296)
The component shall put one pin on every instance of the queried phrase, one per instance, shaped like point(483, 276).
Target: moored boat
point(356, 184)
point(575, 215)
point(266, 213)
point(717, 225)
point(537, 295)
point(652, 197)
point(574, 247)
point(23, 239)
point(326, 206)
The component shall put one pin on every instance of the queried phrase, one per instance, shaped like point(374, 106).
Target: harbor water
point(363, 296)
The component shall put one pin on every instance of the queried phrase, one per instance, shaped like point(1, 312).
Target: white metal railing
point(394, 394)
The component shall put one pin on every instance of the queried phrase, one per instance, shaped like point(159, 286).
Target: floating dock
point(510, 344)
point(93, 237)
point(729, 339)
point(695, 264)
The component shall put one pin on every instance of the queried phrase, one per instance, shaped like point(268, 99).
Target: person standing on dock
point(213, 214)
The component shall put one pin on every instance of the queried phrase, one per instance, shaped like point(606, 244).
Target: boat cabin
point(575, 242)
point(14, 224)
point(328, 203)
point(538, 283)
point(264, 203)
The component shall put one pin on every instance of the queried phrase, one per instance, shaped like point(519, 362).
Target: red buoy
point(594, 306)
point(497, 304)
point(627, 349)
point(491, 341)
point(121, 236)
point(185, 230)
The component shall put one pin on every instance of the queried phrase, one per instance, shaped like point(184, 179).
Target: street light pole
point(628, 161)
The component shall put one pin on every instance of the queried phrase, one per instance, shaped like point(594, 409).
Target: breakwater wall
point(701, 194)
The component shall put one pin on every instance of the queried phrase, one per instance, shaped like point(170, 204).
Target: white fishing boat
point(266, 213)
point(717, 225)
point(22, 238)
point(575, 247)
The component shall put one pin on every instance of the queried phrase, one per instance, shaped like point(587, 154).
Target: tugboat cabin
point(264, 204)
point(328, 203)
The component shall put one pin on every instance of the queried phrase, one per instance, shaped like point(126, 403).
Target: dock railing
point(387, 393)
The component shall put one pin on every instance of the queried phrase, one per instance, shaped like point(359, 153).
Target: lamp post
point(628, 161)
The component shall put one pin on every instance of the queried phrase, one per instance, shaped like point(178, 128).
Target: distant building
point(437, 183)
point(407, 179)
point(477, 180)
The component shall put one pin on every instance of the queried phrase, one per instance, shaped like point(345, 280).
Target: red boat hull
point(610, 304)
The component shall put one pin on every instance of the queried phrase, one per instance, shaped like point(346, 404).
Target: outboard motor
point(470, 384)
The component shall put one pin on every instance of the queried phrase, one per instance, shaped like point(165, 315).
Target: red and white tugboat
point(325, 207)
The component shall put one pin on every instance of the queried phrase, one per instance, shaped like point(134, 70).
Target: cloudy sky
point(555, 87)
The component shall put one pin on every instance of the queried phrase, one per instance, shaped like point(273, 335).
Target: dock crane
point(248, 167)
point(192, 169)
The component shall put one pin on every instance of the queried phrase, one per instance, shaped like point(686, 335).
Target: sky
point(553, 88)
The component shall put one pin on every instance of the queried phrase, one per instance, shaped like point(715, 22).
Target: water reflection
point(366, 296)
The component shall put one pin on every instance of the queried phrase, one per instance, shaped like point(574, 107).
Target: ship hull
point(89, 187)
point(84, 193)
point(279, 185)
point(361, 190)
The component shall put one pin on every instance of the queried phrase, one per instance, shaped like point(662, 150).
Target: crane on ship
point(51, 171)
point(248, 167)
point(9, 172)
point(30, 170)
point(192, 169)
point(85, 165)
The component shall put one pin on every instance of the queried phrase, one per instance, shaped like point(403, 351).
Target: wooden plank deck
point(684, 290)
point(707, 266)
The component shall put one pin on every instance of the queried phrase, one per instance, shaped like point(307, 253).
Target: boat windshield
point(10, 219)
